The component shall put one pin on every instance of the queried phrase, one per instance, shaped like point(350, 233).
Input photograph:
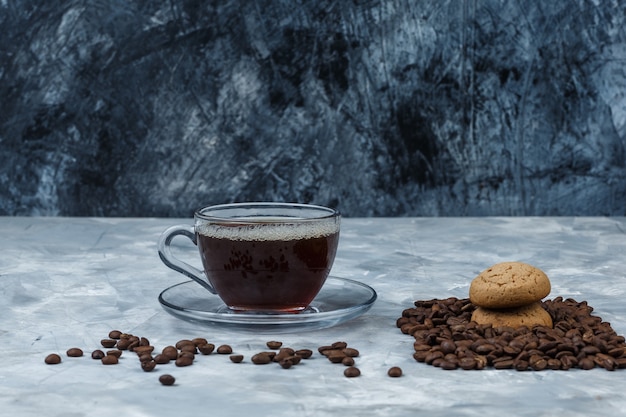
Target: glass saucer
point(339, 300)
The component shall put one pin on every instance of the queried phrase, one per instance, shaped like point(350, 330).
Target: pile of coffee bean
point(183, 353)
point(446, 337)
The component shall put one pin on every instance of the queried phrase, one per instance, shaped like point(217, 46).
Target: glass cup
point(260, 257)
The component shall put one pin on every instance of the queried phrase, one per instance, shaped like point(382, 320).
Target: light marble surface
point(66, 282)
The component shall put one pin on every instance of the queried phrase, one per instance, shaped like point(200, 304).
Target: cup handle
point(165, 253)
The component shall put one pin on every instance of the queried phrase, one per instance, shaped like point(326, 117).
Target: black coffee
point(268, 267)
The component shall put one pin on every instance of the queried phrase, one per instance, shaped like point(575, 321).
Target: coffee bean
point(114, 352)
point(304, 353)
point(236, 358)
point(167, 379)
point(184, 361)
point(74, 352)
point(538, 363)
point(283, 353)
point(110, 360)
point(171, 352)
point(394, 372)
point(353, 353)
point(335, 355)
point(53, 359)
point(108, 343)
point(183, 342)
point(448, 365)
point(207, 348)
point(352, 372)
point(347, 361)
point(148, 366)
point(186, 354)
point(224, 350)
point(161, 359)
point(199, 341)
point(273, 344)
point(339, 345)
point(140, 350)
point(97, 354)
point(586, 363)
point(146, 357)
point(114, 334)
point(261, 359)
point(189, 348)
point(286, 363)
point(122, 344)
point(467, 363)
point(295, 359)
point(144, 341)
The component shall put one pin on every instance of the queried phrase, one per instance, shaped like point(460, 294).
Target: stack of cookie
point(510, 294)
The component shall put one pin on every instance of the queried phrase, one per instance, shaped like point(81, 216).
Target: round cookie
point(529, 315)
point(508, 285)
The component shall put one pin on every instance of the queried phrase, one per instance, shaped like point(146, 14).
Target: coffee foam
point(269, 231)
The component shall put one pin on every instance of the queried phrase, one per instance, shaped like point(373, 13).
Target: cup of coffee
point(259, 257)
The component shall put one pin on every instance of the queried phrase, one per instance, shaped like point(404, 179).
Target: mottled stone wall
point(379, 108)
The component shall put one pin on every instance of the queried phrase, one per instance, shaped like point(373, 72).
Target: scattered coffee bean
point(108, 343)
point(53, 359)
point(115, 334)
point(224, 350)
point(141, 350)
point(273, 344)
point(97, 354)
point(167, 379)
point(335, 356)
point(148, 366)
point(282, 354)
point(110, 360)
point(146, 357)
point(304, 353)
point(74, 352)
point(352, 372)
point(186, 354)
point(199, 341)
point(339, 345)
point(189, 348)
point(161, 359)
point(353, 353)
point(184, 361)
point(114, 352)
point(286, 363)
point(144, 341)
point(261, 358)
point(183, 342)
point(295, 359)
point(122, 344)
point(394, 372)
point(236, 358)
point(347, 361)
point(170, 352)
point(207, 348)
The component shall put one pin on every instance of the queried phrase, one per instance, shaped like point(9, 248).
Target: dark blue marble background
point(379, 108)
